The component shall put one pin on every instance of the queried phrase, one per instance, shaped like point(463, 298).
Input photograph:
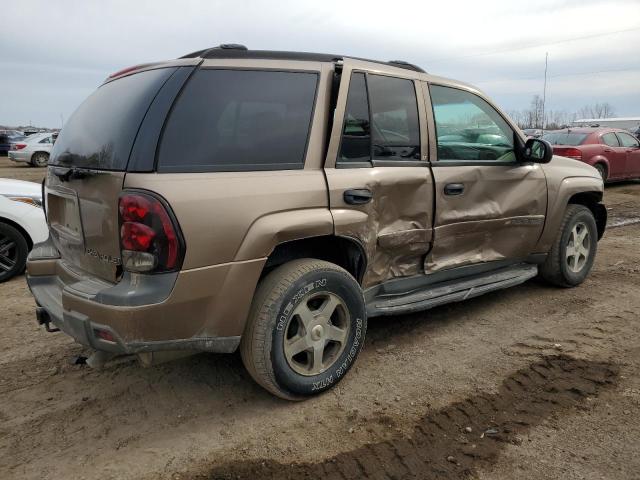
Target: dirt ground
point(533, 382)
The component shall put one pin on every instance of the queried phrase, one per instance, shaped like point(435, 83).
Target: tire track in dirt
point(455, 441)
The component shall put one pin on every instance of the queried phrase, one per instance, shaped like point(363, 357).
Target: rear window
point(230, 120)
point(565, 138)
point(100, 133)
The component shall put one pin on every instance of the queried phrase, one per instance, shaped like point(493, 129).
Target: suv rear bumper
point(201, 309)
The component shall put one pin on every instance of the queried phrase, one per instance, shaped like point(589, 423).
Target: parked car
point(274, 201)
point(8, 137)
point(533, 132)
point(22, 224)
point(614, 152)
point(34, 149)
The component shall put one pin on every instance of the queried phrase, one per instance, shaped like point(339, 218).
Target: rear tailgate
point(87, 169)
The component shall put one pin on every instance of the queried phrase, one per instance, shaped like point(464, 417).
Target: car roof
point(38, 136)
point(235, 51)
point(587, 130)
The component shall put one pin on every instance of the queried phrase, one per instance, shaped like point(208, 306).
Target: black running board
point(451, 291)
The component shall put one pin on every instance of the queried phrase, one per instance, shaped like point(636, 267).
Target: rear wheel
point(602, 170)
point(40, 159)
point(306, 328)
point(572, 255)
point(13, 252)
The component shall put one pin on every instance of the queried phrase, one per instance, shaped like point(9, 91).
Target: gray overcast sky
point(54, 53)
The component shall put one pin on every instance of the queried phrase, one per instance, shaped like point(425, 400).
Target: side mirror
point(537, 150)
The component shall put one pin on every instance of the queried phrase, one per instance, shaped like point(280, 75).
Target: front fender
point(559, 196)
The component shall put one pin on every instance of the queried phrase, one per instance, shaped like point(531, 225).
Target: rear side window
point(565, 138)
point(610, 139)
point(381, 120)
point(394, 118)
point(100, 133)
point(230, 120)
point(356, 134)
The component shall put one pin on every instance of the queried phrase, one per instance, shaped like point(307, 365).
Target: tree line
point(532, 117)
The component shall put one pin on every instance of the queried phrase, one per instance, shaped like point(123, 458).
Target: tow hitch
point(43, 319)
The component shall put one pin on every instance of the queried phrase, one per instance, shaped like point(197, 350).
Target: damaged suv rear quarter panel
point(231, 222)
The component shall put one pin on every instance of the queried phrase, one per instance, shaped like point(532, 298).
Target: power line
point(595, 72)
point(533, 45)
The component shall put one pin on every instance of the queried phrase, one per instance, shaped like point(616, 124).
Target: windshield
point(565, 138)
point(100, 133)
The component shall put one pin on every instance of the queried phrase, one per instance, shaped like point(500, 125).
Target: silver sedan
point(34, 149)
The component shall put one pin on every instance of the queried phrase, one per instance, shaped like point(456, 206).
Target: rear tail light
point(574, 153)
point(150, 239)
point(18, 146)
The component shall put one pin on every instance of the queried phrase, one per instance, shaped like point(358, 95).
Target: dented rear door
point(380, 186)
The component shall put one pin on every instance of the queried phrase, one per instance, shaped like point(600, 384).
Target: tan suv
point(273, 201)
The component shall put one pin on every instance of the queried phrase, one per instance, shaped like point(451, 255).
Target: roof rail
point(403, 64)
point(234, 50)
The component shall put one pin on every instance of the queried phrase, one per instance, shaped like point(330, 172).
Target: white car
point(34, 149)
point(22, 224)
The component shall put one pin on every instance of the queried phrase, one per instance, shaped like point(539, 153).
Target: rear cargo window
point(100, 133)
point(230, 120)
point(565, 138)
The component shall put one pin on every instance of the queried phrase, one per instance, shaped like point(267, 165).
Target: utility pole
point(544, 91)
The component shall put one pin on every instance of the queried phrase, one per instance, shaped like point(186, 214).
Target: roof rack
point(235, 50)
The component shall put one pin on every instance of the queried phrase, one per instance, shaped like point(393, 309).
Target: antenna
point(544, 91)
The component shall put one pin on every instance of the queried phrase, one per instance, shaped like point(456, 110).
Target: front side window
point(381, 120)
point(230, 120)
point(468, 128)
point(610, 139)
point(627, 140)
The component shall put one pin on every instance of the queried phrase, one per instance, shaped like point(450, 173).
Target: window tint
point(239, 120)
point(356, 135)
point(610, 139)
point(468, 128)
point(100, 133)
point(394, 123)
point(627, 140)
point(565, 138)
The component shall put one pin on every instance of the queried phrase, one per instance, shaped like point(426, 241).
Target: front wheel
point(306, 328)
point(602, 171)
point(574, 251)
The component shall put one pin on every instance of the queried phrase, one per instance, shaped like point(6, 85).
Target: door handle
point(454, 188)
point(608, 150)
point(357, 196)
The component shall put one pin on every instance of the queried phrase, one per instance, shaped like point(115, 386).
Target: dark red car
point(615, 153)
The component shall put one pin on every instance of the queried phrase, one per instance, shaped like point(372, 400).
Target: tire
point(40, 159)
point(298, 306)
point(13, 252)
point(568, 264)
point(602, 170)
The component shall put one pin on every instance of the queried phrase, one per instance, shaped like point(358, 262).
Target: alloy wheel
point(578, 247)
point(316, 333)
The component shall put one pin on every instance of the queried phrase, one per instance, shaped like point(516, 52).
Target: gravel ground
point(533, 382)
